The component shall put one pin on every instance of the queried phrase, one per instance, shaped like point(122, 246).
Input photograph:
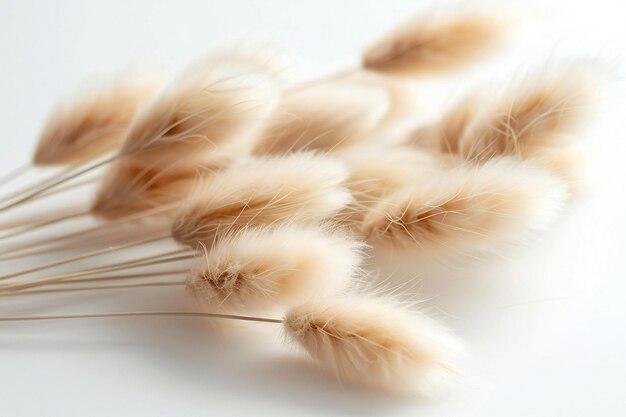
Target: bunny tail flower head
point(92, 125)
point(262, 191)
point(541, 113)
point(326, 116)
point(375, 343)
point(270, 266)
point(467, 208)
point(434, 42)
point(220, 101)
point(128, 189)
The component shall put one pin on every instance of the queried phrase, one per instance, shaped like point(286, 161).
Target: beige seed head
point(262, 191)
point(375, 343)
point(267, 267)
point(540, 113)
point(325, 116)
point(92, 125)
point(467, 208)
point(434, 42)
point(218, 103)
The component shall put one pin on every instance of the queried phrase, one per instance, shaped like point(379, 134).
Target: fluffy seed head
point(217, 103)
point(324, 116)
point(262, 191)
point(376, 171)
point(91, 125)
point(467, 207)
point(375, 343)
point(538, 114)
point(268, 267)
point(434, 42)
point(129, 187)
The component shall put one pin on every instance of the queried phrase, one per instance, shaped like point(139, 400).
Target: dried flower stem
point(97, 287)
point(45, 223)
point(108, 225)
point(83, 256)
point(175, 256)
point(145, 314)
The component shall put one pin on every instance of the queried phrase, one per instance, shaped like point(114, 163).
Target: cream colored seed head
point(262, 191)
point(92, 125)
point(275, 266)
point(375, 343)
point(220, 102)
point(468, 208)
point(434, 42)
point(325, 116)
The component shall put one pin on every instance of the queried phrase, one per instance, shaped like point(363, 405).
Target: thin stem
point(48, 180)
point(149, 261)
point(68, 187)
point(83, 256)
point(109, 240)
point(59, 181)
point(121, 220)
point(92, 288)
point(144, 314)
point(122, 277)
point(45, 223)
point(15, 173)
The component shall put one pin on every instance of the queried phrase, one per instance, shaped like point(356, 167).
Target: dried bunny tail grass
point(376, 343)
point(130, 187)
point(444, 135)
point(376, 171)
point(262, 191)
point(468, 208)
point(539, 113)
point(268, 267)
point(324, 116)
point(435, 42)
point(91, 125)
point(221, 101)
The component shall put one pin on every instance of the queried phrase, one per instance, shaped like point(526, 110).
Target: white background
point(545, 323)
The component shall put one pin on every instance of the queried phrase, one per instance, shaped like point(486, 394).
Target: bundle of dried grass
point(272, 192)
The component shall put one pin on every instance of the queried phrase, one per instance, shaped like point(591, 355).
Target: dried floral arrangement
point(275, 193)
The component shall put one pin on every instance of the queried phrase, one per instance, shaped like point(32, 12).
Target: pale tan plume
point(375, 171)
point(376, 343)
point(434, 42)
point(128, 189)
point(262, 191)
point(467, 208)
point(219, 102)
point(268, 267)
point(542, 112)
point(324, 116)
point(92, 125)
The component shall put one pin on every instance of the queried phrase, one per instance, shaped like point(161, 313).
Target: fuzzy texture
point(434, 42)
point(467, 208)
point(91, 125)
point(540, 113)
point(128, 188)
point(376, 171)
point(325, 116)
point(221, 102)
point(375, 343)
point(262, 191)
point(263, 268)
